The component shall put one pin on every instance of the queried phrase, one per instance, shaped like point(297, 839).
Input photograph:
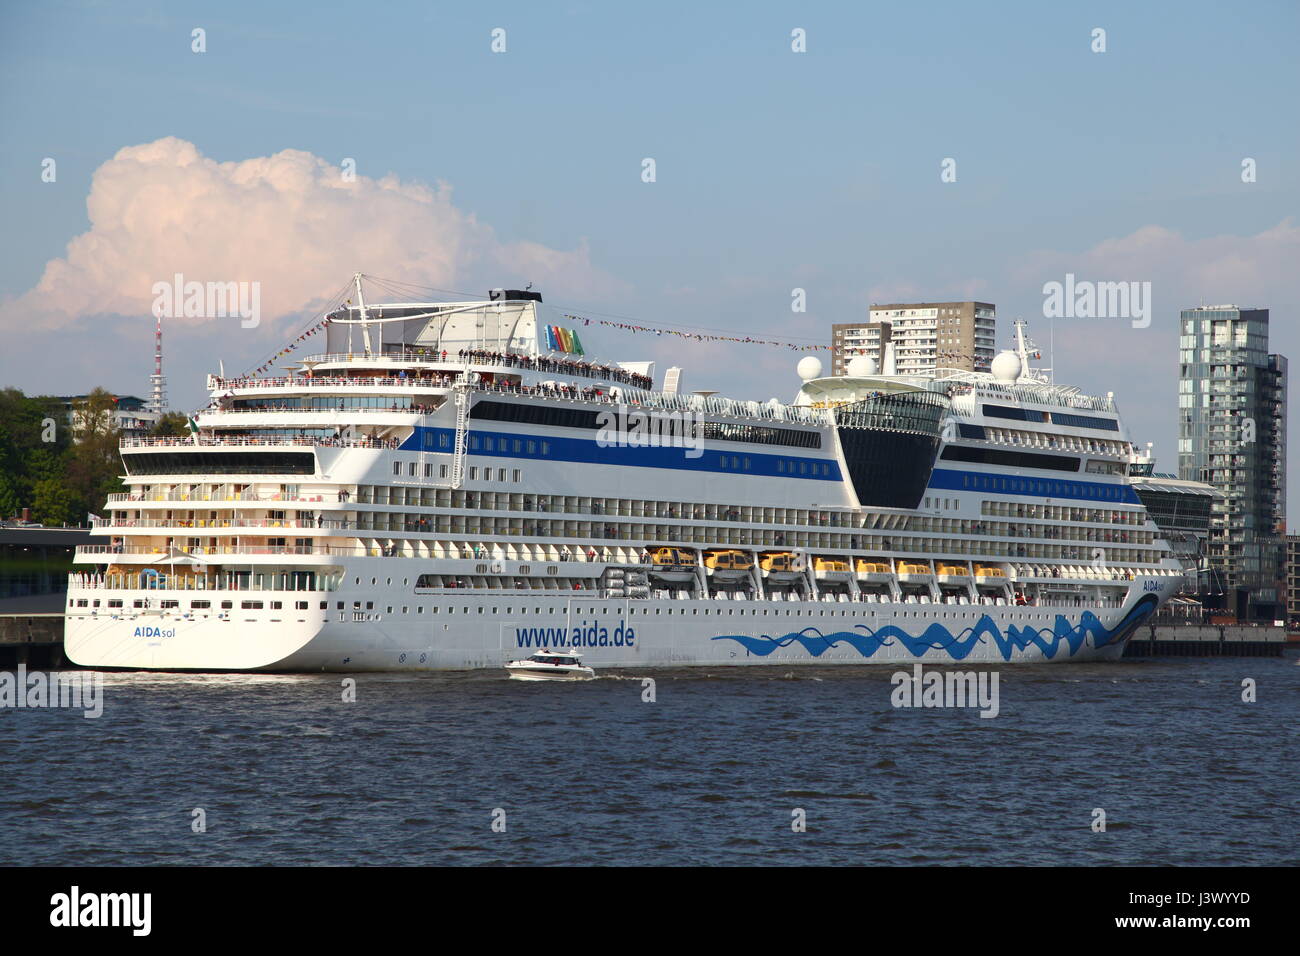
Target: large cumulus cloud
point(290, 221)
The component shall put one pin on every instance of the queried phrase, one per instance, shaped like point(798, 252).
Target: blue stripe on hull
point(587, 451)
point(948, 479)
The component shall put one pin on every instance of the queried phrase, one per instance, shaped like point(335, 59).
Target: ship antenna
point(365, 323)
point(1021, 349)
point(1051, 349)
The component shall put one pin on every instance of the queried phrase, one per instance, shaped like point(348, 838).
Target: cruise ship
point(452, 485)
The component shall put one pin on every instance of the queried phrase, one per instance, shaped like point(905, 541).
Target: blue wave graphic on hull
point(866, 641)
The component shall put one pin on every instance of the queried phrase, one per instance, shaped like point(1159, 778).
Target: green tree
point(94, 464)
point(11, 498)
point(34, 439)
point(53, 503)
point(60, 470)
point(171, 425)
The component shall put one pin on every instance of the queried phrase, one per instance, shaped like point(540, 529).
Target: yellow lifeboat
point(671, 557)
point(727, 560)
point(672, 564)
point(781, 565)
point(830, 564)
point(776, 561)
point(831, 568)
point(727, 564)
point(911, 570)
point(873, 566)
point(949, 572)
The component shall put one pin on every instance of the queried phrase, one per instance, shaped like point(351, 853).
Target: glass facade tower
point(1232, 435)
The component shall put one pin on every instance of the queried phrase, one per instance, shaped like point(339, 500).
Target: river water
point(714, 771)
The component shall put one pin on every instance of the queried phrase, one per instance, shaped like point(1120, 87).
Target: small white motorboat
point(551, 665)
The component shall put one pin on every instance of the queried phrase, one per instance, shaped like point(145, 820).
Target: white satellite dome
point(862, 365)
point(1006, 367)
point(809, 367)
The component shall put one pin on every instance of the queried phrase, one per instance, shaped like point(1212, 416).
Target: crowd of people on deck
point(544, 363)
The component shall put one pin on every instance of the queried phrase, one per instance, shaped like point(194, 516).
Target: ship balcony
point(480, 360)
point(224, 525)
point(181, 444)
point(219, 498)
point(287, 580)
point(343, 412)
point(310, 384)
point(247, 553)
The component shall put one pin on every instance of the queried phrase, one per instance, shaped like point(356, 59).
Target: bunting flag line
point(308, 333)
point(698, 336)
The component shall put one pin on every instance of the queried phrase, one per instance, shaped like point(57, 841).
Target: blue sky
point(775, 170)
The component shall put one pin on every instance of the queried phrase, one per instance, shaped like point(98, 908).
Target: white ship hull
point(438, 490)
point(618, 633)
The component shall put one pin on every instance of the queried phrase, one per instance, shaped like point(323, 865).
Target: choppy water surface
point(411, 772)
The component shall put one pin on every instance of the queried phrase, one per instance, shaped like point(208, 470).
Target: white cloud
point(1244, 270)
point(288, 221)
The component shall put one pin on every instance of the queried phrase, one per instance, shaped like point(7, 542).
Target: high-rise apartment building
point(925, 336)
point(1232, 435)
point(1293, 580)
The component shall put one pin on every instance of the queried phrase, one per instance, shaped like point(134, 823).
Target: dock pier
point(32, 639)
point(1207, 640)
